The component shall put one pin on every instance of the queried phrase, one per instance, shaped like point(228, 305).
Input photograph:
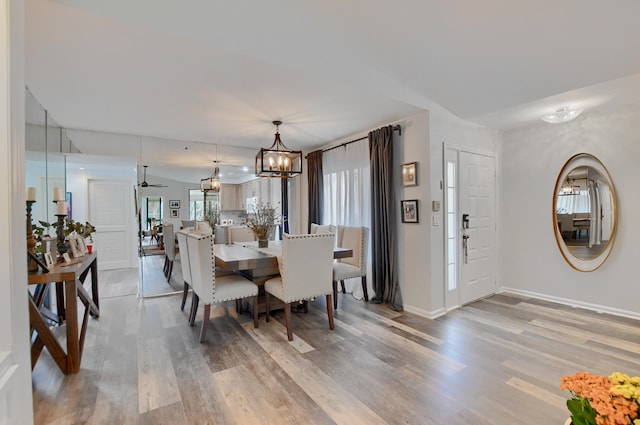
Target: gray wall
point(532, 159)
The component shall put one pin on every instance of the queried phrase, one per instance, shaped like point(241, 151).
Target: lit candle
point(57, 194)
point(61, 208)
point(271, 163)
point(286, 164)
point(31, 194)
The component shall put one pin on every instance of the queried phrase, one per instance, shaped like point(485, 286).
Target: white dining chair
point(169, 242)
point(305, 273)
point(356, 239)
point(183, 249)
point(203, 227)
point(322, 228)
point(241, 234)
point(208, 288)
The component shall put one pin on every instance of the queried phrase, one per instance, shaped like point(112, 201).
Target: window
point(346, 182)
point(196, 204)
point(151, 211)
point(452, 230)
point(200, 203)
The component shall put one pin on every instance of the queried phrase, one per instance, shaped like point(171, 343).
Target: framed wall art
point(409, 211)
point(174, 213)
point(174, 204)
point(409, 172)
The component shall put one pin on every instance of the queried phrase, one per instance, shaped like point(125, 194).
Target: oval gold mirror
point(585, 212)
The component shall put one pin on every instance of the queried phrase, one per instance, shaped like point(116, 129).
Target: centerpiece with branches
point(603, 400)
point(262, 220)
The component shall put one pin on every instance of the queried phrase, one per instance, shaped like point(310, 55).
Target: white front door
point(477, 196)
point(111, 212)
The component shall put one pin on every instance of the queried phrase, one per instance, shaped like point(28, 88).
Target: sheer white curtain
point(347, 193)
point(570, 204)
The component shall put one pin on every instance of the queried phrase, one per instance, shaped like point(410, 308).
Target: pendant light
point(278, 160)
point(212, 183)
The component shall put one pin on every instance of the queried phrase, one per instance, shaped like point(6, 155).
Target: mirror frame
point(582, 264)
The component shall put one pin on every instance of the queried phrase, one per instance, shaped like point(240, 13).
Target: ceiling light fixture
point(561, 115)
point(278, 160)
point(212, 184)
point(569, 188)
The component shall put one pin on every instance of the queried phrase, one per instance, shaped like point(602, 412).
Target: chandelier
point(212, 184)
point(569, 188)
point(561, 115)
point(278, 160)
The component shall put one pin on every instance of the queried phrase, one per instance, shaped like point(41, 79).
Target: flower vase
point(263, 243)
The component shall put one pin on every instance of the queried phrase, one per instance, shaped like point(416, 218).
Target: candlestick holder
point(60, 243)
point(32, 265)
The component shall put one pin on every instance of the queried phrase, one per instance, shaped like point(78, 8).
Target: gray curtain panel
point(383, 219)
point(315, 183)
point(284, 203)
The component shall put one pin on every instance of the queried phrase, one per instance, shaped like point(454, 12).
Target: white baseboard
point(424, 313)
point(573, 303)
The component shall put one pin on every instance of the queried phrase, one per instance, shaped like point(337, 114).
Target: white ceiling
point(220, 71)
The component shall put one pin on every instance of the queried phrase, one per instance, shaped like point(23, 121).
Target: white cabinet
point(275, 191)
point(266, 189)
point(228, 197)
point(264, 193)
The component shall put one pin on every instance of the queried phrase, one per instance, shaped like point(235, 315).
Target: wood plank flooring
point(496, 361)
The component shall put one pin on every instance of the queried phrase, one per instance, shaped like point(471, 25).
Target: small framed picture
point(409, 173)
point(73, 246)
point(174, 204)
point(174, 213)
point(66, 257)
point(48, 259)
point(81, 245)
point(409, 211)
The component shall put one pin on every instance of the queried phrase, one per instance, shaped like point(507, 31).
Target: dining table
point(258, 264)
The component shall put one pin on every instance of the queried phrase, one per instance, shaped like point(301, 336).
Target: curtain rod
point(395, 128)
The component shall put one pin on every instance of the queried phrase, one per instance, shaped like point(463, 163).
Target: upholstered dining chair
point(323, 228)
point(305, 272)
point(183, 249)
point(169, 250)
point(357, 239)
point(207, 287)
point(241, 234)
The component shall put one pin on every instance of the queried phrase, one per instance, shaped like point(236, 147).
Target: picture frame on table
point(174, 204)
point(73, 247)
point(48, 259)
point(81, 244)
point(409, 211)
point(409, 173)
point(66, 257)
point(174, 213)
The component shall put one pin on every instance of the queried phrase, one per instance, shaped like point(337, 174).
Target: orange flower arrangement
point(602, 400)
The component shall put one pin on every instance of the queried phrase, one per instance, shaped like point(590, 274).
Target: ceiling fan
point(144, 180)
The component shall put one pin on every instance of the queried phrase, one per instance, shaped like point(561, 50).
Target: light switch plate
point(435, 205)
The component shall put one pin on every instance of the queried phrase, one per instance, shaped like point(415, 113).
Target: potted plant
point(602, 400)
point(261, 220)
point(85, 230)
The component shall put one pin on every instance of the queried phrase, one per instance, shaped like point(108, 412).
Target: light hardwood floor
point(497, 361)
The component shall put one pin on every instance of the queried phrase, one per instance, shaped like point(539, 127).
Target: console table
point(69, 279)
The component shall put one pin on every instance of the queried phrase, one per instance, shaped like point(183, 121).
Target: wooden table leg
point(94, 285)
point(73, 345)
point(45, 338)
point(60, 301)
point(93, 268)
